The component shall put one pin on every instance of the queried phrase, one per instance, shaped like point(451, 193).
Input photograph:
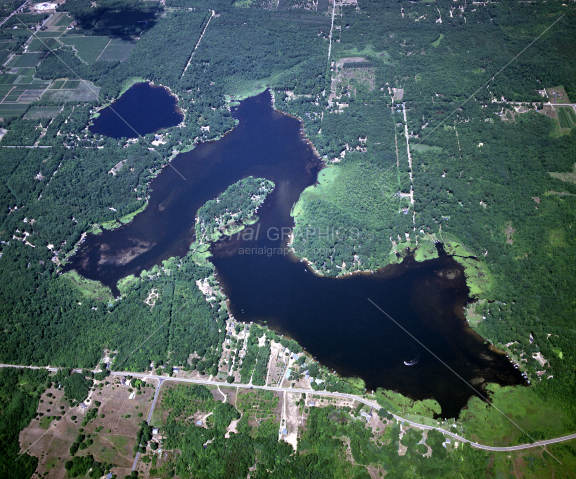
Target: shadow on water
point(331, 318)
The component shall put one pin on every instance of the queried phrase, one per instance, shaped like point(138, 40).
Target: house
point(198, 423)
point(155, 431)
point(132, 395)
point(366, 415)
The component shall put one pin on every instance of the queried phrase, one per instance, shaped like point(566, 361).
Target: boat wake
point(413, 361)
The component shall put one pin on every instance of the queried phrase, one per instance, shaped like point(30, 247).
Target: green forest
point(484, 172)
point(234, 208)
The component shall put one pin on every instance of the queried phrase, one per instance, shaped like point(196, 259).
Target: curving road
point(376, 406)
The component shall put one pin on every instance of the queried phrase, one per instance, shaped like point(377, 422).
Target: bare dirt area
point(557, 94)
point(113, 435)
point(277, 364)
point(293, 418)
point(509, 231)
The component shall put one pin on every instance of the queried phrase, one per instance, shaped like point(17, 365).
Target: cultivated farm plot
point(88, 49)
point(8, 110)
point(59, 19)
point(37, 112)
point(117, 50)
point(26, 60)
point(4, 55)
point(43, 44)
point(85, 91)
point(567, 117)
point(116, 446)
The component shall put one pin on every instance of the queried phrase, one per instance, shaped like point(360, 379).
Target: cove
point(331, 317)
point(144, 108)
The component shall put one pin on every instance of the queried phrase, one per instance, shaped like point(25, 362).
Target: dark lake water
point(142, 109)
point(332, 318)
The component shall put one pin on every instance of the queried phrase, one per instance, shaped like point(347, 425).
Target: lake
point(331, 317)
point(144, 108)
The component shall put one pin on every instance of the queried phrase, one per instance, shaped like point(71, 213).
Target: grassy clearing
point(557, 238)
point(367, 52)
point(436, 43)
point(567, 177)
point(89, 288)
point(422, 148)
point(523, 406)
point(425, 251)
point(326, 177)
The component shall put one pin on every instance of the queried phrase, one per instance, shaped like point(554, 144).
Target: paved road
point(375, 405)
point(372, 404)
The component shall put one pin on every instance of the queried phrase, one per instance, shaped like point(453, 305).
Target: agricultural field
point(27, 60)
point(109, 435)
point(567, 117)
point(72, 90)
point(43, 44)
point(4, 55)
point(18, 89)
point(88, 49)
point(37, 112)
point(117, 50)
